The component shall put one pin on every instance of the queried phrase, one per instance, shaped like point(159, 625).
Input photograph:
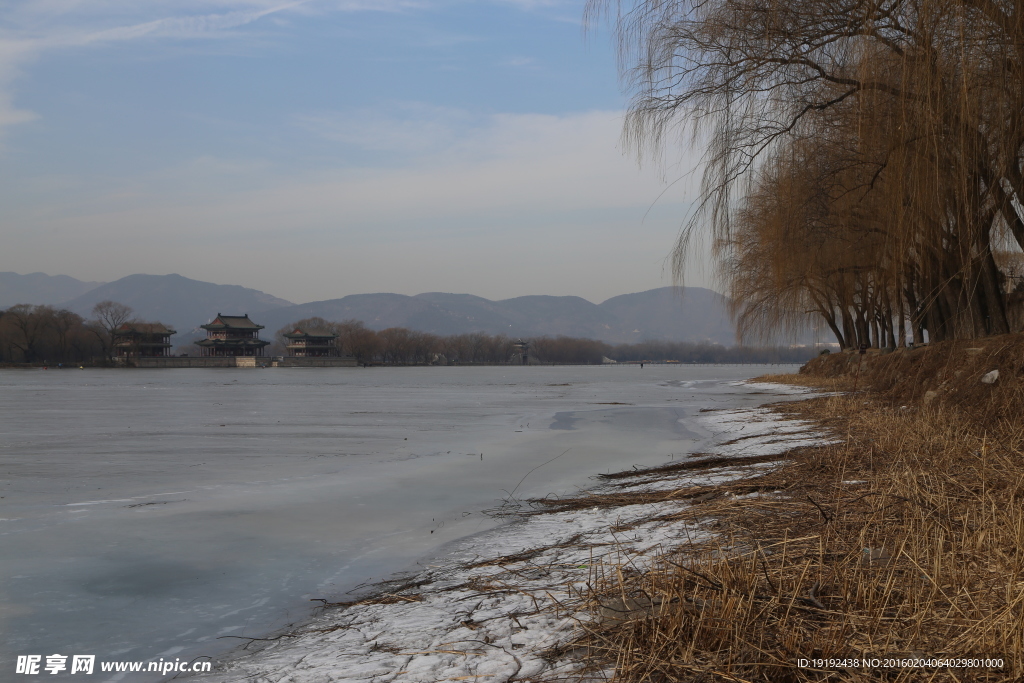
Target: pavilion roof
point(144, 328)
point(235, 322)
point(300, 333)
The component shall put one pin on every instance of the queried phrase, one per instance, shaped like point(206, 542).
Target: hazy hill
point(177, 301)
point(668, 313)
point(40, 288)
point(671, 313)
point(557, 315)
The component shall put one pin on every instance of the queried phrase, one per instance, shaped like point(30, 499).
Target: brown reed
point(903, 541)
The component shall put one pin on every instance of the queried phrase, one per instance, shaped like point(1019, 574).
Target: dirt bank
point(983, 377)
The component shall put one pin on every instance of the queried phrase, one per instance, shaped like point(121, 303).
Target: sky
point(318, 148)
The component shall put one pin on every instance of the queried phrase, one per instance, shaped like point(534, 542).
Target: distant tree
point(24, 330)
point(402, 346)
point(109, 315)
point(66, 327)
point(395, 345)
point(355, 339)
point(457, 348)
point(83, 343)
point(478, 342)
point(568, 350)
point(423, 346)
point(499, 349)
point(29, 334)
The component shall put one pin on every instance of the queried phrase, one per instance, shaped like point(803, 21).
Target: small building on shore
point(142, 340)
point(304, 343)
point(232, 335)
point(521, 355)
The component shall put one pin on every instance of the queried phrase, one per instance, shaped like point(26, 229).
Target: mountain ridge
point(666, 314)
point(691, 314)
point(40, 289)
point(176, 300)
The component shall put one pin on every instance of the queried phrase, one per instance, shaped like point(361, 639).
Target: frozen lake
point(145, 513)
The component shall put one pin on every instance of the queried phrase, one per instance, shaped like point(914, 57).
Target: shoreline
point(505, 605)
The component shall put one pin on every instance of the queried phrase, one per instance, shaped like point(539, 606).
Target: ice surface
point(149, 513)
point(495, 607)
point(498, 626)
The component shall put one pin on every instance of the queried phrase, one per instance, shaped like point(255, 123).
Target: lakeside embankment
point(893, 545)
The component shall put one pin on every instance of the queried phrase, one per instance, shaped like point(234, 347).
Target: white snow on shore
point(498, 604)
point(759, 431)
point(672, 482)
point(773, 387)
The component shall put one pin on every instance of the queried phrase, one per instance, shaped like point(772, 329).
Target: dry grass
point(905, 540)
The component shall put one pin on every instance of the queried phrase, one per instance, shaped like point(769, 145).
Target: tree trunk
point(849, 329)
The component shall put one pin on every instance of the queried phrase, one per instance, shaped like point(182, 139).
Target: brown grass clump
point(949, 373)
point(906, 540)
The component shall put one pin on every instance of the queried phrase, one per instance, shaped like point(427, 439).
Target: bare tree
point(25, 328)
point(355, 339)
point(65, 325)
point(109, 315)
point(396, 345)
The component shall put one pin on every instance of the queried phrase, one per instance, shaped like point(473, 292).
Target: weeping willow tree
point(805, 241)
point(863, 158)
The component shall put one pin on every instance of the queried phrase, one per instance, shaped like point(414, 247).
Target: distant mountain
point(672, 313)
point(40, 288)
point(177, 301)
point(668, 313)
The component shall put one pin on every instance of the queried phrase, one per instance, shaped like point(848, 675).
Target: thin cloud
point(18, 48)
point(13, 54)
point(33, 27)
point(408, 128)
point(40, 26)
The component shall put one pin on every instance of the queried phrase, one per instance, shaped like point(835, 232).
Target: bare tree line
point(401, 346)
point(863, 158)
point(44, 334)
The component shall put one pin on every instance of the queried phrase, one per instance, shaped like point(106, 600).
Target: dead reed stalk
point(906, 540)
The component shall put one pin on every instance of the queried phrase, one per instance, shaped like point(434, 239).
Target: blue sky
point(328, 147)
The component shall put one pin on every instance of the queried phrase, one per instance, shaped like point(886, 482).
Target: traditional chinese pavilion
point(133, 340)
point(311, 343)
point(232, 335)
